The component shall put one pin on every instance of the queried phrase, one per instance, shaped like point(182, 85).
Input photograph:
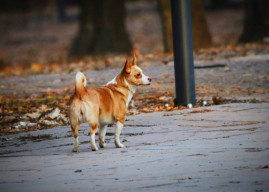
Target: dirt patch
point(134, 134)
point(37, 138)
point(230, 130)
point(128, 134)
point(127, 125)
point(230, 124)
point(254, 150)
point(202, 111)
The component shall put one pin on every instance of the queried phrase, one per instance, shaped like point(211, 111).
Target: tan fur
point(104, 105)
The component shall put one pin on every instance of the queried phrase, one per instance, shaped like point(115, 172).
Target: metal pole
point(183, 52)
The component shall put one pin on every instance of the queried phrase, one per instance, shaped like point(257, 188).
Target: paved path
point(226, 148)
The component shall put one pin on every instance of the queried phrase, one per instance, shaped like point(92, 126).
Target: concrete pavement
point(218, 148)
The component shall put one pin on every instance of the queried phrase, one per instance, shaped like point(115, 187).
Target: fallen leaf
point(7, 119)
point(108, 61)
point(36, 67)
point(43, 108)
point(201, 111)
point(48, 95)
point(54, 113)
point(217, 100)
point(34, 115)
point(145, 110)
point(163, 98)
point(47, 122)
point(66, 97)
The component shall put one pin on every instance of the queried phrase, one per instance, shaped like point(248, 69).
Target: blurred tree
point(220, 4)
point(22, 6)
point(200, 29)
point(256, 23)
point(166, 20)
point(101, 28)
point(61, 5)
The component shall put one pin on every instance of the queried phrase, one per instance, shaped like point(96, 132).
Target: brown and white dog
point(104, 105)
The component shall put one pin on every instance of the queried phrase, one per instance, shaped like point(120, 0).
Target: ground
point(217, 148)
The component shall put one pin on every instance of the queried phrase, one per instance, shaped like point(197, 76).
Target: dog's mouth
point(147, 84)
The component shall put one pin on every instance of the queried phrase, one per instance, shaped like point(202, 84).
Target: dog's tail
point(80, 83)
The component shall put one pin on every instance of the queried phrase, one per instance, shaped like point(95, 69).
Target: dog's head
point(133, 74)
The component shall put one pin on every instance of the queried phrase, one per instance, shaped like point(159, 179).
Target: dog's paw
point(102, 144)
point(75, 149)
point(94, 149)
point(119, 145)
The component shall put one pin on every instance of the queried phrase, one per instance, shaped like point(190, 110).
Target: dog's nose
point(149, 79)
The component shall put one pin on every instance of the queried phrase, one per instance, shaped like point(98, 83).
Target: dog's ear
point(134, 56)
point(134, 59)
point(127, 67)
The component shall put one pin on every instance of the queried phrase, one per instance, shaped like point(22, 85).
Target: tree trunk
point(166, 20)
point(256, 23)
point(101, 29)
point(200, 30)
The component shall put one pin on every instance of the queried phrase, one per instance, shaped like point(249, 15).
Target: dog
point(102, 106)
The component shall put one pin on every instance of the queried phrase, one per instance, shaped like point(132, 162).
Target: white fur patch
point(80, 76)
point(130, 96)
point(113, 81)
point(138, 68)
point(132, 89)
point(85, 82)
point(118, 130)
point(93, 145)
point(76, 144)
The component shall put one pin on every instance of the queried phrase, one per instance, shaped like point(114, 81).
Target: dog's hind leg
point(94, 127)
point(75, 133)
point(102, 135)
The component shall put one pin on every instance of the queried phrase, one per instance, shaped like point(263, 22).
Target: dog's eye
point(138, 75)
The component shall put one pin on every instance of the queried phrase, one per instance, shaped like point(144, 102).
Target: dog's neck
point(121, 81)
point(131, 88)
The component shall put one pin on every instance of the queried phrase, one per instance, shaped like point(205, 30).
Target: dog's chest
point(130, 96)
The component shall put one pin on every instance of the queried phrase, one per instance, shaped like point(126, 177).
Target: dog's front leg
point(119, 127)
